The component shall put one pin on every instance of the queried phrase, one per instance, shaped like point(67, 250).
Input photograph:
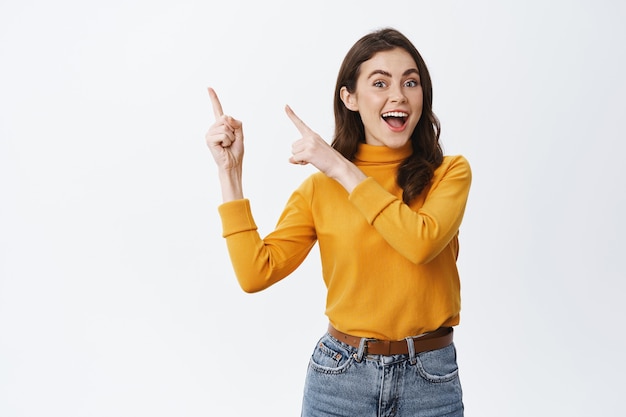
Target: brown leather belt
point(438, 339)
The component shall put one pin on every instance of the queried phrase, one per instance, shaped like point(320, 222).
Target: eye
point(411, 83)
point(379, 84)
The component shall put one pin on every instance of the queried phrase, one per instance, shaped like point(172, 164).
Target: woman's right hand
point(225, 138)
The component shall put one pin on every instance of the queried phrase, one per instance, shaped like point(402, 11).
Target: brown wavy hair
point(416, 171)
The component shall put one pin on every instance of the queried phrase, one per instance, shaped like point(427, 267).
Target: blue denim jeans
point(344, 381)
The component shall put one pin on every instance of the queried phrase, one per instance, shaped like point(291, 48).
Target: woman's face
point(388, 97)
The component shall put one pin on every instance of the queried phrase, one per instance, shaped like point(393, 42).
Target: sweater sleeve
point(419, 235)
point(258, 263)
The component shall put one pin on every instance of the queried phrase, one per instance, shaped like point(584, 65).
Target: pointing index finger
point(300, 125)
point(215, 102)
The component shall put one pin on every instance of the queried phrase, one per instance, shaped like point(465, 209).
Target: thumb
point(233, 123)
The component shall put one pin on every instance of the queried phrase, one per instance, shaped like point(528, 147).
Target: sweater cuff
point(236, 217)
point(370, 198)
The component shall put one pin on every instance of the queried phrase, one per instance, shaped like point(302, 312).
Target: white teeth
point(395, 114)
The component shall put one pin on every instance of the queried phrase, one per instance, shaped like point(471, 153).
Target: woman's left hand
point(312, 149)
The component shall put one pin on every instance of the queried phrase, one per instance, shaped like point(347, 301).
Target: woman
point(385, 209)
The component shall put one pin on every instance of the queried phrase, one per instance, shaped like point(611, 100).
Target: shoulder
point(317, 179)
point(454, 166)
point(316, 182)
point(455, 162)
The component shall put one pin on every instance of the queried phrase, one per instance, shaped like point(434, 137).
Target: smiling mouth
point(395, 119)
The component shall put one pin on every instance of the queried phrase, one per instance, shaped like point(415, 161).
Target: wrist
point(348, 175)
point(231, 184)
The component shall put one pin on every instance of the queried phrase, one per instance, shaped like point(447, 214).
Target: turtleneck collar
point(382, 154)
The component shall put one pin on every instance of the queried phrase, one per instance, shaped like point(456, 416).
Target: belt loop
point(359, 354)
point(411, 345)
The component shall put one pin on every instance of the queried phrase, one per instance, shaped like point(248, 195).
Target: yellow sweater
point(390, 269)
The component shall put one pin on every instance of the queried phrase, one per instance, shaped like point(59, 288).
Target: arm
point(259, 263)
point(419, 235)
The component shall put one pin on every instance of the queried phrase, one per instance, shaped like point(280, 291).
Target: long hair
point(416, 171)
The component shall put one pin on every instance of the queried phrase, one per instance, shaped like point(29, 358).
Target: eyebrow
point(387, 74)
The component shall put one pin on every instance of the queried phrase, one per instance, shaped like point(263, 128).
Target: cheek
point(370, 100)
point(419, 106)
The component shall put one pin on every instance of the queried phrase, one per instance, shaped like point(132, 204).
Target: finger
point(233, 123)
point(300, 125)
point(223, 140)
point(295, 161)
point(217, 106)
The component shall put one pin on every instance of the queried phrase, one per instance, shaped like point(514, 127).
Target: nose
point(396, 95)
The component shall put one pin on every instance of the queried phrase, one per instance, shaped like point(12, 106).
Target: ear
point(349, 99)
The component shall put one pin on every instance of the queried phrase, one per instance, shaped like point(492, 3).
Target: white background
point(117, 297)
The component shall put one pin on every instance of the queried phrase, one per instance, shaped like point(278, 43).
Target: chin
point(397, 143)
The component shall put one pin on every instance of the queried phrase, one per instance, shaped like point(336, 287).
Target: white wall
point(116, 294)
